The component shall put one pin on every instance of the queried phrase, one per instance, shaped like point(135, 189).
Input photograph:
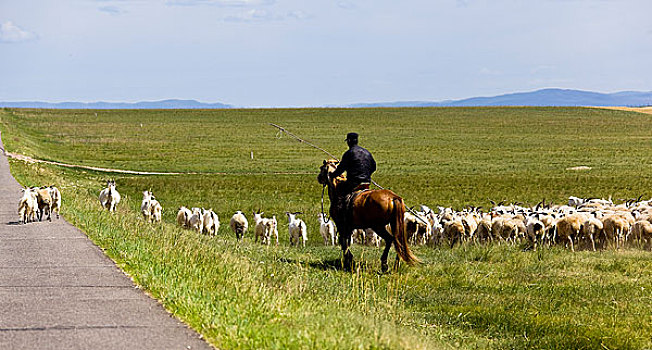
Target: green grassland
point(242, 295)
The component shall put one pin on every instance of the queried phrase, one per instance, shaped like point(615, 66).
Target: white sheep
point(274, 228)
point(262, 228)
point(156, 210)
point(28, 206)
point(44, 203)
point(56, 199)
point(146, 205)
point(239, 224)
point(327, 230)
point(109, 197)
point(196, 220)
point(183, 215)
point(297, 229)
point(211, 222)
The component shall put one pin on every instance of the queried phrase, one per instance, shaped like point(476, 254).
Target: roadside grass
point(243, 295)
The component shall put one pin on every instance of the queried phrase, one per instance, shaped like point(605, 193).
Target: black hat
point(352, 136)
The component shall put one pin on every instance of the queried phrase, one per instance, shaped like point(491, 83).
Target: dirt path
point(29, 159)
point(59, 291)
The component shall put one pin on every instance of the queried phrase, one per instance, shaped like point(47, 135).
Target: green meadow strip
point(247, 296)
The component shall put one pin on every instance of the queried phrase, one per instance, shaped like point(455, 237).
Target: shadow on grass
point(331, 265)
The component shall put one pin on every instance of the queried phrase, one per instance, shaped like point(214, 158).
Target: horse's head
point(328, 167)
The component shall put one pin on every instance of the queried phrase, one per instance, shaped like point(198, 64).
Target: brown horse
point(373, 209)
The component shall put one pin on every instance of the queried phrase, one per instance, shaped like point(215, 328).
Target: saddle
point(346, 210)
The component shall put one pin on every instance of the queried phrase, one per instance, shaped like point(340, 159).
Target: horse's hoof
point(384, 267)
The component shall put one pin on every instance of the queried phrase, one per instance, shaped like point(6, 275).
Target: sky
point(291, 53)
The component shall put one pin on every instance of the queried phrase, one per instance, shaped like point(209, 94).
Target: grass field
point(251, 297)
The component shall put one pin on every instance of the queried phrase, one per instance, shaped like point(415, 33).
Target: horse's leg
point(389, 240)
point(347, 256)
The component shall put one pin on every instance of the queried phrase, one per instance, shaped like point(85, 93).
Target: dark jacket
point(358, 164)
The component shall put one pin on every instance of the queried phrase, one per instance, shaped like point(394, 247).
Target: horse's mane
point(332, 163)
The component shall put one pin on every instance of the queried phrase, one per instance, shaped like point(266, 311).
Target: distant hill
point(544, 97)
point(163, 104)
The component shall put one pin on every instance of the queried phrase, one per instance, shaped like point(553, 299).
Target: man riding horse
point(359, 164)
point(380, 210)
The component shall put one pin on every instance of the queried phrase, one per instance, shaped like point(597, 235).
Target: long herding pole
point(282, 129)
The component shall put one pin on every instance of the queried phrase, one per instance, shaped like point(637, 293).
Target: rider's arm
point(341, 168)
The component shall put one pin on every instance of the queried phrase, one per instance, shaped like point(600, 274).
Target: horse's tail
point(400, 236)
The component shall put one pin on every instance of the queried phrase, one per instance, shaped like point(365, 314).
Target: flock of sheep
point(208, 222)
point(38, 201)
point(591, 223)
point(588, 223)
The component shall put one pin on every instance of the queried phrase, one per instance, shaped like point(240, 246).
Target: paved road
point(59, 291)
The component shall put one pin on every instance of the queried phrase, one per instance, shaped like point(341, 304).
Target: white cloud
point(112, 10)
point(11, 33)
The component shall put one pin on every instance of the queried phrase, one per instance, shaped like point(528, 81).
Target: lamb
point(262, 228)
point(146, 205)
point(196, 220)
point(273, 229)
point(239, 224)
point(109, 197)
point(156, 210)
point(56, 199)
point(211, 222)
point(183, 215)
point(297, 229)
point(327, 230)
point(28, 206)
point(44, 203)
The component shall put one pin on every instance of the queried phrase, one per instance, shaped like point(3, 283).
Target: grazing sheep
point(28, 206)
point(109, 197)
point(641, 231)
point(535, 230)
point(210, 223)
point(371, 238)
point(454, 231)
point(592, 229)
point(418, 228)
point(196, 220)
point(615, 228)
point(183, 217)
point(239, 224)
point(297, 229)
point(483, 232)
point(44, 203)
point(56, 199)
point(568, 228)
point(327, 230)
